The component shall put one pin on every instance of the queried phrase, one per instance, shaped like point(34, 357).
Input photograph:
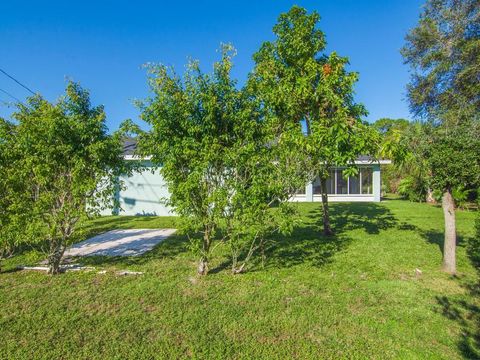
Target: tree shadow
point(467, 315)
point(437, 237)
point(307, 244)
point(465, 309)
point(370, 217)
point(304, 245)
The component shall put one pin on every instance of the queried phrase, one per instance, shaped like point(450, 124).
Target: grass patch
point(354, 295)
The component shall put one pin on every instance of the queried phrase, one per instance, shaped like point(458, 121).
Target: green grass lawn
point(354, 296)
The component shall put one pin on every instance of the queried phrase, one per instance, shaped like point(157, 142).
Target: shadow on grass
point(436, 237)
point(370, 217)
point(467, 314)
point(304, 245)
point(307, 244)
point(465, 309)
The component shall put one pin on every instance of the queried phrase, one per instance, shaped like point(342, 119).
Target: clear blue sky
point(102, 44)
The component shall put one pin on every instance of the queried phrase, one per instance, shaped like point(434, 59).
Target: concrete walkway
point(132, 242)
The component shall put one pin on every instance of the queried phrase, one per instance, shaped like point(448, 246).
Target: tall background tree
point(301, 86)
point(443, 51)
point(408, 176)
point(62, 166)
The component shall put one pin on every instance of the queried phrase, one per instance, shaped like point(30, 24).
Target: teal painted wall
point(144, 193)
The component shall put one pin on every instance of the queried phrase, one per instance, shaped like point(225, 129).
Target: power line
point(18, 82)
point(13, 97)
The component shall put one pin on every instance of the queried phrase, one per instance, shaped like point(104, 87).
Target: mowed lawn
point(355, 295)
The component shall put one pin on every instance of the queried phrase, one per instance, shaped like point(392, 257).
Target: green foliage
point(217, 157)
point(473, 245)
point(460, 196)
point(61, 167)
point(412, 188)
point(297, 83)
point(404, 143)
point(387, 126)
point(394, 146)
point(452, 154)
point(8, 225)
point(444, 52)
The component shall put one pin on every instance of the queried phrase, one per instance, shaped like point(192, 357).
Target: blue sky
point(103, 44)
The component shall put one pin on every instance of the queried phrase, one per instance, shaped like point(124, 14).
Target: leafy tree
point(300, 85)
point(65, 167)
point(9, 225)
point(388, 127)
point(444, 52)
point(215, 155)
point(473, 245)
point(408, 176)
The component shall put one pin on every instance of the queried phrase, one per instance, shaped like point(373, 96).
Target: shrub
point(473, 245)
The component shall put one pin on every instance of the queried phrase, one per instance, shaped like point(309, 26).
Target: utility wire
point(18, 82)
point(13, 97)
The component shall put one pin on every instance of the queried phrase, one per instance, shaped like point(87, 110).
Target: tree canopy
point(443, 51)
point(215, 155)
point(300, 85)
point(61, 166)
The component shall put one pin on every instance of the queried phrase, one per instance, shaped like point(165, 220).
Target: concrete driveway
point(131, 242)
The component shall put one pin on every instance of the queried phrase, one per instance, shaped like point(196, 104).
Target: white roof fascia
point(369, 162)
point(136, 157)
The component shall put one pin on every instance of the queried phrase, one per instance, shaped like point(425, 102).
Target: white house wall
point(145, 193)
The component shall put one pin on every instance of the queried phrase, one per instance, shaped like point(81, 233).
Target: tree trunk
point(203, 263)
point(450, 242)
point(54, 259)
point(430, 199)
point(327, 229)
point(202, 266)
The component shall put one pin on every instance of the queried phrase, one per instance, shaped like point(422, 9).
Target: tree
point(444, 52)
point(65, 167)
point(407, 176)
point(388, 127)
point(214, 153)
point(9, 185)
point(191, 129)
point(302, 86)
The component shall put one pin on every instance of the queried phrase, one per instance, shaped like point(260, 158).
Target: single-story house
point(145, 192)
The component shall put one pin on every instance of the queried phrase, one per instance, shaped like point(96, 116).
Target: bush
point(473, 245)
point(412, 189)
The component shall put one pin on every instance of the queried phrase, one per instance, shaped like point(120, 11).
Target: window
point(337, 184)
point(354, 185)
point(342, 184)
point(366, 176)
point(317, 190)
point(330, 184)
point(300, 191)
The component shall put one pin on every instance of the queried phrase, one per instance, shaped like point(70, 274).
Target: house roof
point(130, 145)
